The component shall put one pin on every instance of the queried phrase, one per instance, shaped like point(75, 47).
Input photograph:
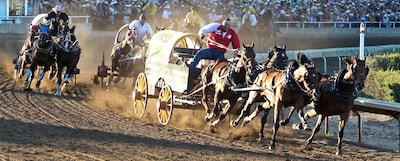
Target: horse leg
point(205, 104)
point(58, 81)
point(263, 122)
point(30, 76)
point(53, 72)
point(315, 130)
point(285, 121)
point(246, 108)
point(46, 68)
point(277, 109)
point(217, 106)
point(343, 120)
point(226, 110)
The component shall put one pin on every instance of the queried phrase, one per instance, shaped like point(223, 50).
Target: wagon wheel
point(165, 105)
point(140, 95)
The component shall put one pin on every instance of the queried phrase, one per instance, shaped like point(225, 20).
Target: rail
point(378, 107)
point(334, 24)
point(20, 19)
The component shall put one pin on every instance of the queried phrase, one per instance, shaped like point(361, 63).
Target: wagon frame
point(166, 76)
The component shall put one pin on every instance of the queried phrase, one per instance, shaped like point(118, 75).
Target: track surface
point(91, 124)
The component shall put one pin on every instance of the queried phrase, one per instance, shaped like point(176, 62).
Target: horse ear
point(244, 45)
point(284, 47)
point(163, 28)
point(252, 44)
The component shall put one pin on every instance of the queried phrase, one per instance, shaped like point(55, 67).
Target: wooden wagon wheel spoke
point(165, 105)
point(140, 95)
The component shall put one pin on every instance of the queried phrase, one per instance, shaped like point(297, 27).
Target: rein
point(297, 83)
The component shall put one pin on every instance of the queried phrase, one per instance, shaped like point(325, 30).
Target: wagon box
point(167, 56)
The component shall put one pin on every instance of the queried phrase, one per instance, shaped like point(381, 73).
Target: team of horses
point(274, 84)
point(280, 83)
point(60, 55)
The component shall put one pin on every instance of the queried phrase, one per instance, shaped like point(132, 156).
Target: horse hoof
point(296, 126)
point(211, 124)
point(339, 153)
point(307, 147)
point(271, 147)
point(234, 123)
point(282, 123)
point(261, 139)
point(37, 85)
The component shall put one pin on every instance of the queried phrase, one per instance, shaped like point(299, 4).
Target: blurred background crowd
point(111, 14)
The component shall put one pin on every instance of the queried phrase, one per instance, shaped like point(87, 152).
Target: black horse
point(42, 55)
point(68, 54)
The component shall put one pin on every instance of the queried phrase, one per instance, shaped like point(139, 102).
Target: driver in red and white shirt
point(219, 38)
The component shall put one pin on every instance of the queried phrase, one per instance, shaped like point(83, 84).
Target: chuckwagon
point(166, 75)
point(22, 58)
point(129, 64)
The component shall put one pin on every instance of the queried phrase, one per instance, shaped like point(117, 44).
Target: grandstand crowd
point(106, 12)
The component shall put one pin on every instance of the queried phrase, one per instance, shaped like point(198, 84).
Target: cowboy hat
point(57, 8)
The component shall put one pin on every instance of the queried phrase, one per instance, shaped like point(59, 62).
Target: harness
point(335, 90)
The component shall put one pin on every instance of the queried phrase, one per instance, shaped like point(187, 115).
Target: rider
point(138, 29)
point(193, 21)
point(57, 17)
point(220, 36)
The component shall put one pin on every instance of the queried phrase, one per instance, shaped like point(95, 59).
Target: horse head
point(277, 58)
point(247, 62)
point(158, 29)
point(44, 40)
point(306, 76)
point(357, 71)
point(67, 39)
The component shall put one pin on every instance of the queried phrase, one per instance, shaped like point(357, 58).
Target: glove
point(236, 52)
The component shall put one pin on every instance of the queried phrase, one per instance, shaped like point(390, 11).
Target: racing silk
point(55, 21)
point(217, 35)
point(139, 31)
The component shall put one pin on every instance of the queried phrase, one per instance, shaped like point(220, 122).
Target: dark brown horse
point(218, 73)
point(337, 97)
point(296, 86)
point(68, 55)
point(42, 55)
point(277, 58)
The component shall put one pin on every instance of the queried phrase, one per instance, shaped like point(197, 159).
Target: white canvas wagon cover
point(162, 44)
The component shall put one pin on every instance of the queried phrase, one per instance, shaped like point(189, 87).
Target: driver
point(57, 18)
point(138, 30)
point(220, 36)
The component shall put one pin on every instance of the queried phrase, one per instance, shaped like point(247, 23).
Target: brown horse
point(218, 73)
point(337, 97)
point(296, 87)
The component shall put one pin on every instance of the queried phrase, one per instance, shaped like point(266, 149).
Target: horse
point(296, 86)
point(25, 53)
point(218, 73)
point(68, 54)
point(42, 55)
point(277, 58)
point(337, 97)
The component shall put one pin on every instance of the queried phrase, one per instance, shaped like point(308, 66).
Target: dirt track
point(91, 124)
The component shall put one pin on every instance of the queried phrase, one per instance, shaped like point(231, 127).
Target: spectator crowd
point(105, 13)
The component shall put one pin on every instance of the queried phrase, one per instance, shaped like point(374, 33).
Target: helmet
point(57, 8)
